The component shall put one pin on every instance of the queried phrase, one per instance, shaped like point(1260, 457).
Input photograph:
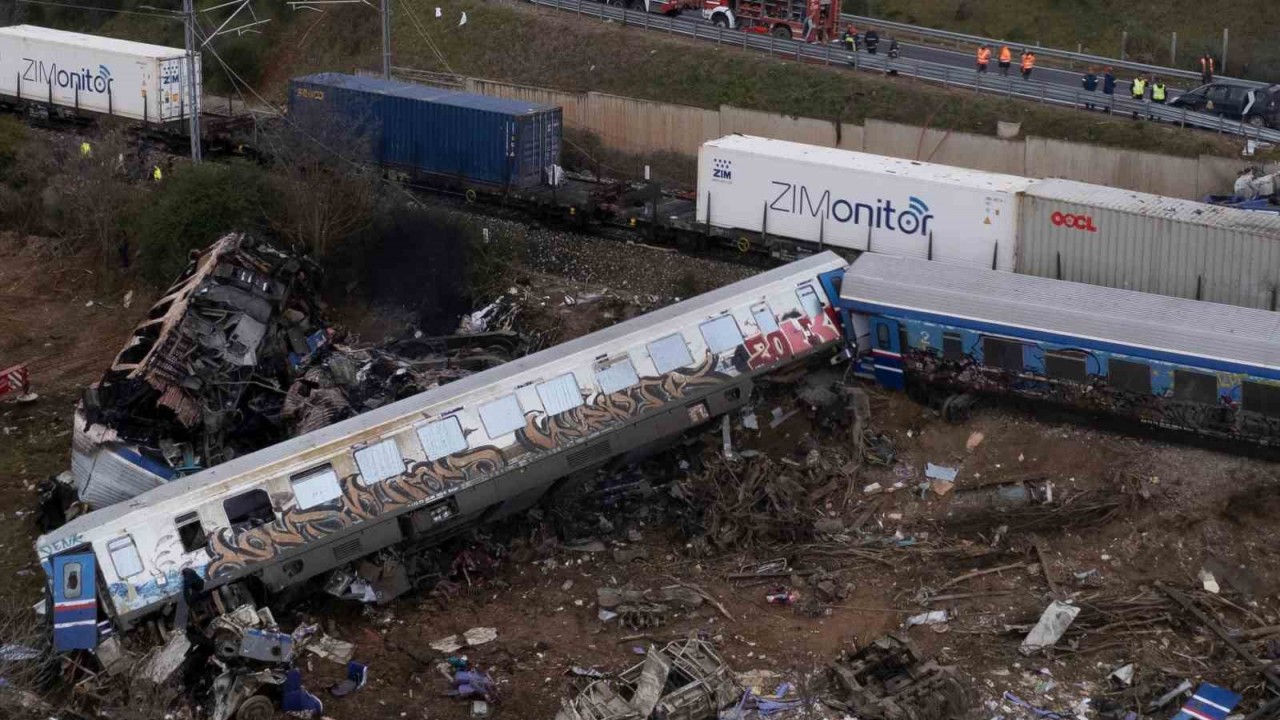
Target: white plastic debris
point(160, 666)
point(932, 617)
point(480, 635)
point(447, 644)
point(749, 421)
point(1209, 582)
point(1124, 674)
point(333, 649)
point(1053, 623)
point(939, 472)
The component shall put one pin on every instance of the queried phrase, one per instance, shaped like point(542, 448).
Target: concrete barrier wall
point(977, 152)
point(643, 126)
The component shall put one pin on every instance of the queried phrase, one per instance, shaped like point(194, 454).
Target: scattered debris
point(479, 636)
point(933, 617)
point(684, 679)
point(1209, 582)
point(447, 644)
point(975, 439)
point(357, 676)
point(1209, 702)
point(161, 664)
point(1053, 623)
point(332, 649)
point(1124, 674)
point(888, 679)
point(940, 472)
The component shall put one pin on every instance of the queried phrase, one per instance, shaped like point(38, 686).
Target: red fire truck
point(805, 20)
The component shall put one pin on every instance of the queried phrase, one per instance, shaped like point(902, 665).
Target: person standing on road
point(1090, 82)
point(872, 39)
point(1109, 88)
point(1158, 91)
point(850, 38)
point(1028, 63)
point(1138, 91)
point(1006, 59)
point(984, 58)
point(1206, 68)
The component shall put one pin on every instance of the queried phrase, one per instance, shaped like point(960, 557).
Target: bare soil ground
point(1179, 508)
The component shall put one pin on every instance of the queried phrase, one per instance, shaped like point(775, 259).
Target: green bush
point(193, 207)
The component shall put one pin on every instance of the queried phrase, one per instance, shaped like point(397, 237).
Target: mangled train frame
point(494, 443)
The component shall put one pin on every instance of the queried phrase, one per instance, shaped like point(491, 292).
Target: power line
point(74, 6)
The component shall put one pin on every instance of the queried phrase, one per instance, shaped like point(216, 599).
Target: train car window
point(670, 353)
point(249, 509)
point(1261, 398)
point(502, 416)
point(560, 394)
point(72, 588)
point(190, 532)
point(809, 300)
point(379, 462)
point(1195, 387)
point(765, 319)
point(124, 557)
point(952, 346)
point(722, 334)
point(1065, 365)
point(1130, 376)
point(1003, 354)
point(442, 438)
point(316, 487)
point(882, 336)
point(617, 376)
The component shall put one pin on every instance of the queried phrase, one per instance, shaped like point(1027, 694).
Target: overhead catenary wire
point(91, 8)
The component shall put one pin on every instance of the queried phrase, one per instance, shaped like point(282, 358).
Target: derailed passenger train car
point(1188, 365)
point(471, 451)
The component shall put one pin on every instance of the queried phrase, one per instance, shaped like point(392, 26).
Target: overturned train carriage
point(1201, 367)
point(471, 451)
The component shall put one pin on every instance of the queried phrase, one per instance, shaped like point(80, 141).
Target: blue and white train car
point(472, 451)
point(1203, 367)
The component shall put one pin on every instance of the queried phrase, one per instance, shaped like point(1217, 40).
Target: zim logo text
point(721, 169)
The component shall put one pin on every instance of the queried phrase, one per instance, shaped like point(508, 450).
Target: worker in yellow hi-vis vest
point(156, 174)
point(85, 150)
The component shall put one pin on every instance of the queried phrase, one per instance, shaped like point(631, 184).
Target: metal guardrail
point(974, 41)
point(938, 73)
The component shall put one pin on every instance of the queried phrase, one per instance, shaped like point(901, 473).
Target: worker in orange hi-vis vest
point(1028, 64)
point(1206, 68)
point(1006, 59)
point(984, 58)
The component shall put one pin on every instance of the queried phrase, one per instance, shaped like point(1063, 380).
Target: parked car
point(1259, 107)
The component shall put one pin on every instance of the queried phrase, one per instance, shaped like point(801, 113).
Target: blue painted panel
point(75, 605)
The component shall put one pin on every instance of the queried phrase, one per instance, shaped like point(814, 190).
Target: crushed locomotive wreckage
point(237, 356)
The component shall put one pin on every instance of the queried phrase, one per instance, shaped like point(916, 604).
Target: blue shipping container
point(475, 139)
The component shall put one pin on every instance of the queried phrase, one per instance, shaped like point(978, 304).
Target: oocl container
point(1126, 239)
point(97, 74)
point(473, 138)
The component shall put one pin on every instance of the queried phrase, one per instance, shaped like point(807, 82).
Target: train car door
point(886, 352)
point(75, 605)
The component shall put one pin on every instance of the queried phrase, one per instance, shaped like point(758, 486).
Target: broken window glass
point(379, 461)
point(1001, 353)
point(670, 353)
point(191, 532)
point(249, 509)
point(124, 557)
point(952, 346)
point(722, 334)
point(316, 487)
point(560, 394)
point(502, 416)
point(442, 438)
point(809, 300)
point(72, 588)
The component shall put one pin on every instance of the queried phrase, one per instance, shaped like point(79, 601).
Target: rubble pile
point(237, 356)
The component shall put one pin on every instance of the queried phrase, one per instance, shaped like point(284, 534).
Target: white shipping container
point(854, 200)
point(96, 74)
point(1125, 239)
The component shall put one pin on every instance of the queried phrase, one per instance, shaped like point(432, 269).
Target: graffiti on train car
point(233, 552)
point(796, 334)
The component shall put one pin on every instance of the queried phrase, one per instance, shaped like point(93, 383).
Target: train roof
point(870, 163)
point(93, 42)
point(664, 321)
point(1224, 333)
point(425, 93)
point(1157, 206)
